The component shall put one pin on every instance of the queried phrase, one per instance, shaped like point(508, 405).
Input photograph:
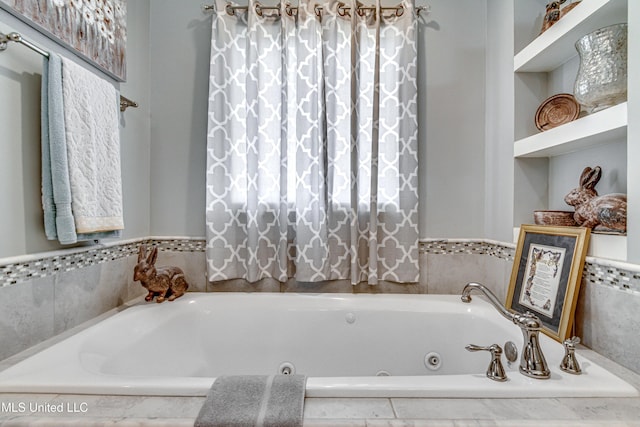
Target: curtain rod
point(342, 9)
point(17, 38)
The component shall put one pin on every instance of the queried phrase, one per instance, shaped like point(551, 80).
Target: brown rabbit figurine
point(607, 213)
point(161, 281)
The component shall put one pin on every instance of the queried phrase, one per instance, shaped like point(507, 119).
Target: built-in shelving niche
point(543, 67)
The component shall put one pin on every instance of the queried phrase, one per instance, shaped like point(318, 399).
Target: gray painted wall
point(633, 132)
point(452, 175)
point(136, 123)
point(498, 156)
point(179, 53)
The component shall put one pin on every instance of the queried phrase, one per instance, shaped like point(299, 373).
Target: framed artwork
point(546, 275)
point(95, 30)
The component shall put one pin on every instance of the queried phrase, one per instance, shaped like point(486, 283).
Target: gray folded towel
point(254, 400)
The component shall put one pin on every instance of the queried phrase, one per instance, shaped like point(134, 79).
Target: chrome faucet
point(495, 371)
point(569, 362)
point(532, 361)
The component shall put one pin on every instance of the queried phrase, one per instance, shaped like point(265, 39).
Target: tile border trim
point(614, 274)
point(467, 246)
point(28, 267)
point(598, 271)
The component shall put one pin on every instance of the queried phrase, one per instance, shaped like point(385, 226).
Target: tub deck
point(163, 411)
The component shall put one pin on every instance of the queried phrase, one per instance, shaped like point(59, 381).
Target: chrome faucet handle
point(532, 361)
point(495, 371)
point(569, 362)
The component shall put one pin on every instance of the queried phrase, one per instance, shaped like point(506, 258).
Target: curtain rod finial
point(423, 9)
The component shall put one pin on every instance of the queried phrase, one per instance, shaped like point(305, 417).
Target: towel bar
point(17, 38)
point(126, 103)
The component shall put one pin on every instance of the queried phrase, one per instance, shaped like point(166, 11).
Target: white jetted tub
point(347, 345)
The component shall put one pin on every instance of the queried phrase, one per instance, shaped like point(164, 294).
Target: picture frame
point(94, 30)
point(546, 275)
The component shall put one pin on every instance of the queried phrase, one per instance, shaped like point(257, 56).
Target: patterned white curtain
point(312, 168)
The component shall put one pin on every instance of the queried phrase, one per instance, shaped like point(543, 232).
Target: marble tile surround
point(46, 294)
point(135, 411)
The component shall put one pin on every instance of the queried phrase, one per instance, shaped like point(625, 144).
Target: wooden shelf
point(606, 125)
point(557, 45)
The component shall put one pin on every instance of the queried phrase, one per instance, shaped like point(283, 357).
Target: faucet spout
point(466, 297)
point(532, 361)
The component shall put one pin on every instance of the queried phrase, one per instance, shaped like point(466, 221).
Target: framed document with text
point(546, 275)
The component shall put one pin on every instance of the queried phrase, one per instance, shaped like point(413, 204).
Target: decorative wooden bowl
point(557, 110)
point(554, 218)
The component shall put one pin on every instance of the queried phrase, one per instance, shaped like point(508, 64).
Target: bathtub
point(347, 345)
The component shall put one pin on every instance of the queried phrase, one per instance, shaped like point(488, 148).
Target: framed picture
point(95, 30)
point(546, 275)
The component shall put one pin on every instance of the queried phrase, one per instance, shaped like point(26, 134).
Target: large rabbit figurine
point(165, 282)
point(605, 213)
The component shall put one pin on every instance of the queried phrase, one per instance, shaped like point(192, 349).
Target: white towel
point(93, 149)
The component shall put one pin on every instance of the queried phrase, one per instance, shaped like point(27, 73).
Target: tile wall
point(46, 294)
